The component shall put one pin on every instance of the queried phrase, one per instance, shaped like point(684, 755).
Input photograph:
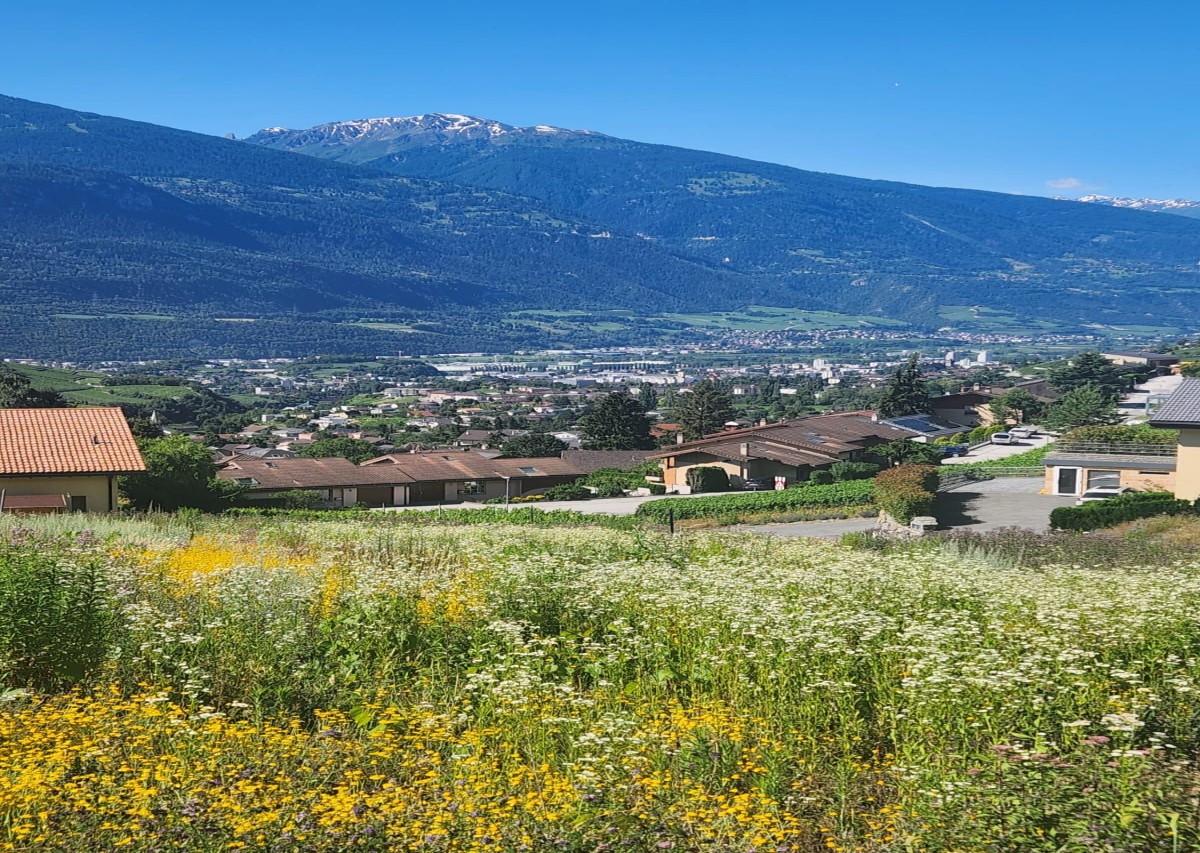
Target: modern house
point(1181, 411)
point(55, 460)
point(789, 449)
point(1075, 467)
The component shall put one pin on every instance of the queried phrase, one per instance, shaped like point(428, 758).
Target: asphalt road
point(999, 451)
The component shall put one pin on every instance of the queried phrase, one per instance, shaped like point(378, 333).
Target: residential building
point(1181, 411)
point(968, 408)
point(339, 482)
point(53, 460)
point(1075, 467)
point(1158, 362)
point(789, 449)
point(446, 476)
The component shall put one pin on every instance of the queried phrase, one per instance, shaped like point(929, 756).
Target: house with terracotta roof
point(447, 476)
point(58, 460)
point(338, 482)
point(789, 449)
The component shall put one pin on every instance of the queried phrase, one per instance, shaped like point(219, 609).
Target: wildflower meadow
point(212, 684)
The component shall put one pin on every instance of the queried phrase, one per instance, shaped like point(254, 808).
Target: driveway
point(981, 506)
point(999, 451)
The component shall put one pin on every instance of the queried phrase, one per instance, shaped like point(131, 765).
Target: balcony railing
point(1112, 448)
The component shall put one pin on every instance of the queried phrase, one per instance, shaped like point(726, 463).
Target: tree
point(704, 411)
point(354, 449)
point(17, 392)
point(179, 473)
point(533, 444)
point(906, 392)
point(1019, 404)
point(1091, 368)
point(905, 452)
point(647, 396)
point(1087, 405)
point(616, 422)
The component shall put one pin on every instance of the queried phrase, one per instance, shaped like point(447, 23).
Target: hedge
point(527, 515)
point(854, 493)
point(844, 471)
point(907, 491)
point(1094, 515)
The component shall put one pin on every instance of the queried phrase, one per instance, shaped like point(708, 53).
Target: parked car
point(759, 484)
point(955, 449)
point(1100, 494)
point(1004, 438)
point(1022, 432)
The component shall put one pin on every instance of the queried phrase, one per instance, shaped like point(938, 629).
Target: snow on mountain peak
point(402, 131)
point(1183, 206)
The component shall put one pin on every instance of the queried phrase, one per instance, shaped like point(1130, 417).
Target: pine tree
point(704, 411)
point(1091, 368)
point(616, 422)
point(1087, 405)
point(906, 392)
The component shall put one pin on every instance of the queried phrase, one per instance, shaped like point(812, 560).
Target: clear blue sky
point(1052, 98)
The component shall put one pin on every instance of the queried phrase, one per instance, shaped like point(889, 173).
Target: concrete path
point(982, 506)
point(999, 451)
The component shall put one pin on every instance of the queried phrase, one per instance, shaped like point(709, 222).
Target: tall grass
point(305, 685)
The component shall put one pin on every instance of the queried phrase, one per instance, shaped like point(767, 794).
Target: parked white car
point(1022, 432)
point(1003, 438)
point(1100, 494)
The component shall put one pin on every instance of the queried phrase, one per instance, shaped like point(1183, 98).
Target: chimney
point(679, 438)
point(762, 422)
point(744, 449)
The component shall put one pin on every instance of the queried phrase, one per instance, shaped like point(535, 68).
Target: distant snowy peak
point(401, 132)
point(1179, 206)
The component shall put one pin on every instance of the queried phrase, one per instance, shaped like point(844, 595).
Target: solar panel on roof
point(915, 424)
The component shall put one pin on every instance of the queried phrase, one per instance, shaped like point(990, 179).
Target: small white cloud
point(1068, 184)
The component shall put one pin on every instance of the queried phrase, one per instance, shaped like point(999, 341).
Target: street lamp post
point(507, 482)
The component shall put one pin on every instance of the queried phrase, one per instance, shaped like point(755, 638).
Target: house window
point(78, 503)
point(470, 488)
point(1103, 479)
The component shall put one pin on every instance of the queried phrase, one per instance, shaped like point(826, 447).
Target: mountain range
point(441, 232)
point(1178, 206)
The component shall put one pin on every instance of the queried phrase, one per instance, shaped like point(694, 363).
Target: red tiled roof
point(824, 435)
point(308, 473)
point(67, 441)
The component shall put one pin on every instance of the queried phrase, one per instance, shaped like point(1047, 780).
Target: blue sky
point(1052, 98)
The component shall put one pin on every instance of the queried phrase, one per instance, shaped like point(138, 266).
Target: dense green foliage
point(703, 410)
point(616, 422)
point(839, 495)
point(1019, 405)
point(843, 471)
point(906, 491)
point(569, 492)
point(179, 473)
point(906, 392)
point(17, 392)
point(533, 444)
point(354, 449)
point(1085, 405)
point(1092, 369)
point(1094, 515)
point(1123, 434)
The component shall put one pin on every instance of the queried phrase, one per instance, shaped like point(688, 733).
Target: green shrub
point(1094, 515)
point(300, 499)
point(845, 471)
point(906, 491)
point(983, 433)
point(851, 494)
point(568, 492)
point(821, 478)
point(57, 617)
point(708, 478)
point(1123, 434)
